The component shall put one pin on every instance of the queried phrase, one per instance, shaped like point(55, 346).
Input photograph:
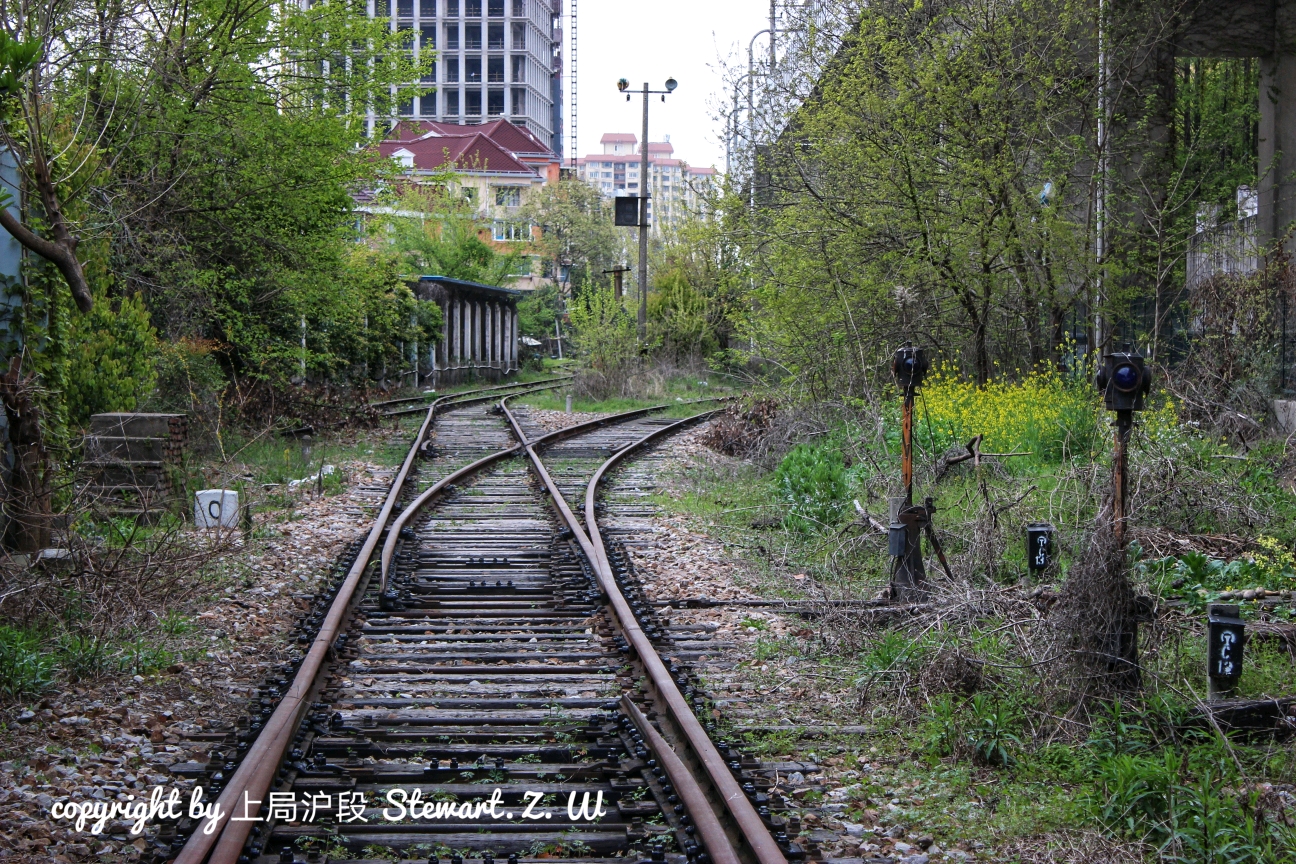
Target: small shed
point(479, 336)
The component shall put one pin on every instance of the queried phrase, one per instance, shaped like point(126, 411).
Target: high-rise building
point(495, 59)
point(674, 187)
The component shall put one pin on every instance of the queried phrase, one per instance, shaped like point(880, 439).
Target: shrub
point(24, 669)
point(811, 481)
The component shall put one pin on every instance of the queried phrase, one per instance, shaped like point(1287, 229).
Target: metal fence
point(1229, 249)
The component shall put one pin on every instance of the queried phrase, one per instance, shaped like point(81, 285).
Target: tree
point(576, 231)
point(446, 238)
point(209, 150)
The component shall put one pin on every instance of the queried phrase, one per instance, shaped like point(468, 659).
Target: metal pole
point(773, 16)
point(906, 446)
point(643, 223)
point(1124, 423)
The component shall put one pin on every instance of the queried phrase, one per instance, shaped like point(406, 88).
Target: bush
point(604, 333)
point(24, 669)
point(812, 483)
point(110, 359)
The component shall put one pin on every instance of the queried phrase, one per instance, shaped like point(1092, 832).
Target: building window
point(495, 8)
point(472, 37)
point(510, 232)
point(427, 8)
point(519, 68)
point(428, 34)
point(452, 37)
point(452, 8)
point(495, 37)
point(452, 70)
point(404, 8)
point(495, 103)
point(519, 36)
point(427, 103)
point(472, 102)
point(519, 8)
point(452, 102)
point(524, 267)
point(519, 100)
point(382, 8)
point(406, 108)
point(469, 193)
point(495, 70)
point(508, 196)
point(472, 8)
point(472, 70)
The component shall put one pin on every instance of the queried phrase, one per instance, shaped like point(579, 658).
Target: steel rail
point(747, 821)
point(695, 801)
point(257, 769)
point(548, 382)
point(389, 548)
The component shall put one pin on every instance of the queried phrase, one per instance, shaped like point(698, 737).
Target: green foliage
point(1132, 798)
point(604, 337)
point(991, 732)
point(538, 311)
point(680, 317)
point(17, 58)
point(111, 359)
point(25, 668)
point(811, 482)
point(576, 231)
point(447, 240)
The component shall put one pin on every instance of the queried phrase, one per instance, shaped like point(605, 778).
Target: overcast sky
point(650, 42)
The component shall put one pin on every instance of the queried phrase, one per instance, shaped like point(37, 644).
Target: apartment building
point(674, 187)
point(495, 59)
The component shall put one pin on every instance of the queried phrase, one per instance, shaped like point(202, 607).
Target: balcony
point(472, 37)
point(1230, 249)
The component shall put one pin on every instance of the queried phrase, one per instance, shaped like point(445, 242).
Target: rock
point(896, 831)
point(796, 778)
point(1249, 594)
point(902, 848)
point(27, 716)
point(924, 841)
point(915, 859)
point(854, 830)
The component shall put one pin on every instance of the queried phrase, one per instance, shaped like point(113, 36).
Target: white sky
point(651, 42)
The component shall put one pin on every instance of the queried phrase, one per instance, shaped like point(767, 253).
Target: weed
point(24, 669)
point(990, 733)
point(811, 480)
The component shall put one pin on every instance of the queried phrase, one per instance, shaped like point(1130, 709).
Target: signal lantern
point(1124, 381)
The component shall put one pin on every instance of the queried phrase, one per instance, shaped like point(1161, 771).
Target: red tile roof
point(474, 152)
point(497, 146)
point(618, 138)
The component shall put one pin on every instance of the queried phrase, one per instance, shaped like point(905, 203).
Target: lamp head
point(671, 84)
point(622, 84)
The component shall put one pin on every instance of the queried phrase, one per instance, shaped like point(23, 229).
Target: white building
point(674, 188)
point(495, 59)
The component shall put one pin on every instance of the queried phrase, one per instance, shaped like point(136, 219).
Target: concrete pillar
point(514, 348)
point(476, 333)
point(490, 335)
point(499, 337)
point(507, 314)
point(455, 341)
point(1277, 146)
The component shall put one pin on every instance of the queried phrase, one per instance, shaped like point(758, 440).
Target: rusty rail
point(257, 770)
point(751, 829)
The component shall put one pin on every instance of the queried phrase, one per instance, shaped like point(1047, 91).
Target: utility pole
point(643, 222)
point(644, 196)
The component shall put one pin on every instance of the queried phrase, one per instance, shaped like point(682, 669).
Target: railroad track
point(494, 652)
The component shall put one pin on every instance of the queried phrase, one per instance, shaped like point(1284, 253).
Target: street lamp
point(623, 85)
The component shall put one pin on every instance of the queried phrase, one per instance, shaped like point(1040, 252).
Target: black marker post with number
point(1226, 633)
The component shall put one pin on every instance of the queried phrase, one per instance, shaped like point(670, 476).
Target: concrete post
point(515, 338)
point(1277, 145)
